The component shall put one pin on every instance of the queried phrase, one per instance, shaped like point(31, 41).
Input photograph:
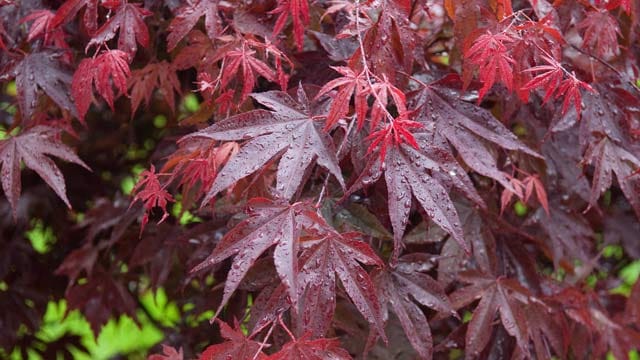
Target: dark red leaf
point(187, 17)
point(70, 8)
point(319, 349)
point(128, 22)
point(41, 71)
point(159, 76)
point(236, 346)
point(168, 353)
point(402, 292)
point(289, 131)
point(33, 147)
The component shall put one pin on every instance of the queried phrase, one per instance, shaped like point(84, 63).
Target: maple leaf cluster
point(324, 180)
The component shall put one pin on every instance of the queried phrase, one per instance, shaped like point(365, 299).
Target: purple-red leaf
point(128, 22)
point(40, 71)
point(33, 147)
point(289, 131)
point(187, 17)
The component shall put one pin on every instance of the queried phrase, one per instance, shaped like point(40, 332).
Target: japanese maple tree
point(334, 179)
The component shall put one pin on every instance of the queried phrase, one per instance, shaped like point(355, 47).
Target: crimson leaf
point(168, 353)
point(99, 71)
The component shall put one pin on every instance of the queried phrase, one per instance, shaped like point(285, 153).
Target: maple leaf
point(532, 183)
point(470, 129)
point(381, 91)
point(524, 189)
point(546, 330)
point(70, 8)
point(32, 148)
point(187, 17)
point(490, 54)
point(609, 158)
point(318, 349)
point(330, 256)
point(40, 71)
point(394, 133)
point(42, 27)
point(269, 224)
point(517, 188)
point(168, 353)
point(244, 58)
point(549, 78)
point(349, 84)
point(129, 24)
point(152, 194)
point(100, 299)
point(78, 260)
point(289, 131)
point(299, 11)
point(402, 292)
point(600, 32)
point(196, 164)
point(503, 296)
point(109, 67)
point(570, 89)
point(143, 82)
point(411, 170)
point(237, 346)
point(389, 42)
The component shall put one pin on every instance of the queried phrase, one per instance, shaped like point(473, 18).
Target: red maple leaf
point(110, 67)
point(299, 11)
point(152, 194)
point(245, 58)
point(349, 84)
point(236, 346)
point(600, 32)
point(505, 297)
point(334, 255)
point(128, 22)
point(471, 130)
point(269, 224)
point(143, 83)
point(32, 148)
point(395, 133)
point(490, 54)
point(42, 27)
